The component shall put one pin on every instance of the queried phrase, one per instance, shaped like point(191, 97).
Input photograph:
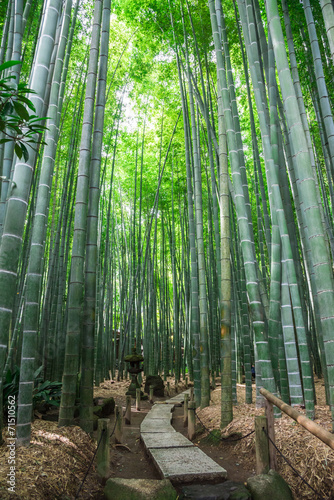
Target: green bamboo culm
point(87, 351)
point(38, 237)
point(14, 223)
point(75, 291)
point(321, 267)
point(328, 15)
point(194, 292)
point(277, 207)
point(224, 202)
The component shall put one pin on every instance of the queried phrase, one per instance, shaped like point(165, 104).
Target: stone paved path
point(174, 455)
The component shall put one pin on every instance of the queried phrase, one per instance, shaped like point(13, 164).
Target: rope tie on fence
point(221, 438)
point(90, 464)
point(292, 467)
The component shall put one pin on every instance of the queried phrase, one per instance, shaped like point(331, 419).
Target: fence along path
point(175, 457)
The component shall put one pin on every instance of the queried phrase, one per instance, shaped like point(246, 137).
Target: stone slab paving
point(165, 403)
point(156, 425)
point(179, 398)
point(165, 440)
point(155, 416)
point(161, 408)
point(174, 455)
point(186, 464)
point(159, 411)
point(159, 417)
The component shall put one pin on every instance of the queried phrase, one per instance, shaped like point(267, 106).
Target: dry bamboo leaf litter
point(53, 466)
point(309, 456)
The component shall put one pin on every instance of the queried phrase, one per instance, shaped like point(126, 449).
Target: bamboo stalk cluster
point(202, 233)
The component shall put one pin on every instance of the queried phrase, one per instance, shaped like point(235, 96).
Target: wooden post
point(271, 434)
point(186, 382)
point(138, 391)
point(127, 416)
point(119, 424)
point(176, 387)
point(191, 394)
point(261, 445)
point(191, 420)
point(185, 408)
point(151, 393)
point(168, 389)
point(103, 452)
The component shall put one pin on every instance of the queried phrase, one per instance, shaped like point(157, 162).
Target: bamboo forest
point(166, 193)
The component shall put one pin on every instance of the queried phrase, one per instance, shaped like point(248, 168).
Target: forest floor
point(55, 463)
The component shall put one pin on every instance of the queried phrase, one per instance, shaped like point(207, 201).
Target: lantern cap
point(134, 356)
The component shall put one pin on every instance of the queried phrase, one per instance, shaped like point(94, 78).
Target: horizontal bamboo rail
point(315, 429)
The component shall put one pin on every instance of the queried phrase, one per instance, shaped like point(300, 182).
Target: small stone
point(108, 407)
point(157, 383)
point(97, 410)
point(270, 485)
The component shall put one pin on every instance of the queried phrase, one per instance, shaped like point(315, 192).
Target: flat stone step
point(156, 425)
point(162, 403)
point(221, 491)
point(161, 407)
point(167, 417)
point(186, 464)
point(177, 399)
point(161, 411)
point(161, 417)
point(165, 440)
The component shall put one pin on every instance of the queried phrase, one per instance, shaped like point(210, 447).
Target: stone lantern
point(135, 368)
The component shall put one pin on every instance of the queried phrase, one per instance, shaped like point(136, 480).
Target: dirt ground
point(55, 463)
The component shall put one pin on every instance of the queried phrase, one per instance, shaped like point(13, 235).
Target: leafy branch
point(16, 124)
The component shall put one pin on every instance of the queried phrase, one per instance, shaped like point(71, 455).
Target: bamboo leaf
point(27, 102)
point(24, 151)
point(9, 64)
point(21, 111)
point(18, 151)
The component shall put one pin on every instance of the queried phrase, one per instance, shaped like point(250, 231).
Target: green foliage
point(16, 124)
point(48, 392)
point(3, 9)
point(11, 385)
